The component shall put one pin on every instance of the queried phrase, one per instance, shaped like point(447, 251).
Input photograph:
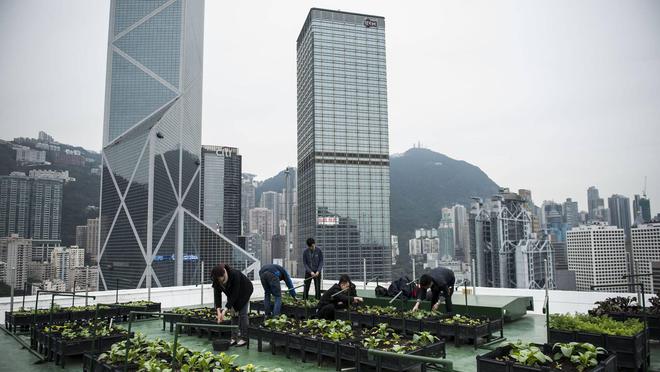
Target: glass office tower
point(150, 229)
point(343, 154)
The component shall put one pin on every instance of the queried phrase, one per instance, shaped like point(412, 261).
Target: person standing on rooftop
point(238, 289)
point(313, 261)
point(271, 275)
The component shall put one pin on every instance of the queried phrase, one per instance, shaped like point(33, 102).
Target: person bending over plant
point(238, 289)
point(440, 280)
point(339, 296)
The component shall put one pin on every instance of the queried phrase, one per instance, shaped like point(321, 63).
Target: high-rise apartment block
point(343, 146)
point(16, 252)
point(646, 250)
point(92, 247)
point(30, 207)
point(221, 190)
point(597, 255)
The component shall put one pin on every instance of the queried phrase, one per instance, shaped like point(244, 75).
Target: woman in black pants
point(238, 289)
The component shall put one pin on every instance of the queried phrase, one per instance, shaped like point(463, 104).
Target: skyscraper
point(595, 204)
point(343, 154)
point(461, 233)
point(30, 207)
point(597, 255)
point(641, 209)
point(221, 190)
point(151, 232)
point(446, 235)
point(645, 244)
point(619, 207)
point(501, 242)
point(272, 200)
point(248, 200)
point(571, 213)
point(16, 252)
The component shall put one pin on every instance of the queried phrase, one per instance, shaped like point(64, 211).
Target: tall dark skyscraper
point(221, 190)
point(619, 207)
point(343, 153)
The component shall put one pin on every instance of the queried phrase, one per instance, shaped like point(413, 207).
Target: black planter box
point(631, 351)
point(353, 352)
point(173, 318)
point(81, 315)
point(653, 321)
point(489, 363)
point(12, 320)
point(211, 333)
point(257, 306)
point(358, 320)
point(60, 348)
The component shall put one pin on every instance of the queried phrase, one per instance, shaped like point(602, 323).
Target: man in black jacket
point(330, 301)
point(238, 289)
point(313, 262)
point(440, 280)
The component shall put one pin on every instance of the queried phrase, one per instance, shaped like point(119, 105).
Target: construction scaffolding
point(506, 253)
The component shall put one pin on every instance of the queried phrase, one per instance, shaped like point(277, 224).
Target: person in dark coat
point(238, 289)
point(270, 276)
point(440, 280)
point(313, 261)
point(331, 301)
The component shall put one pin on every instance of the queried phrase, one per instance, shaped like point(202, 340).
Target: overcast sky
point(549, 95)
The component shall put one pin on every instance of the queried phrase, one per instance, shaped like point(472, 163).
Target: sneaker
point(241, 343)
point(232, 342)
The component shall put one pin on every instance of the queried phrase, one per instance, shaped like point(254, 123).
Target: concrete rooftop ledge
point(169, 297)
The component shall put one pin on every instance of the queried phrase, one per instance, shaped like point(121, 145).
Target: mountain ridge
point(422, 182)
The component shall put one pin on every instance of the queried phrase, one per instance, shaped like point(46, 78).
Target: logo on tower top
point(369, 23)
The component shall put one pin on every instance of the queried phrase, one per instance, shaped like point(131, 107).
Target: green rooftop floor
point(529, 328)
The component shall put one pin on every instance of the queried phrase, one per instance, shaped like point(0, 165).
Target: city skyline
point(584, 109)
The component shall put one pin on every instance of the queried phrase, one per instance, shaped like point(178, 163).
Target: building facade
point(221, 190)
point(646, 250)
point(619, 207)
point(343, 147)
point(30, 206)
point(597, 255)
point(506, 253)
point(447, 235)
point(595, 203)
point(571, 213)
point(150, 230)
point(16, 252)
point(641, 209)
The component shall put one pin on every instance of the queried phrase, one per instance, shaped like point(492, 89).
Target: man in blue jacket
point(271, 275)
point(313, 261)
